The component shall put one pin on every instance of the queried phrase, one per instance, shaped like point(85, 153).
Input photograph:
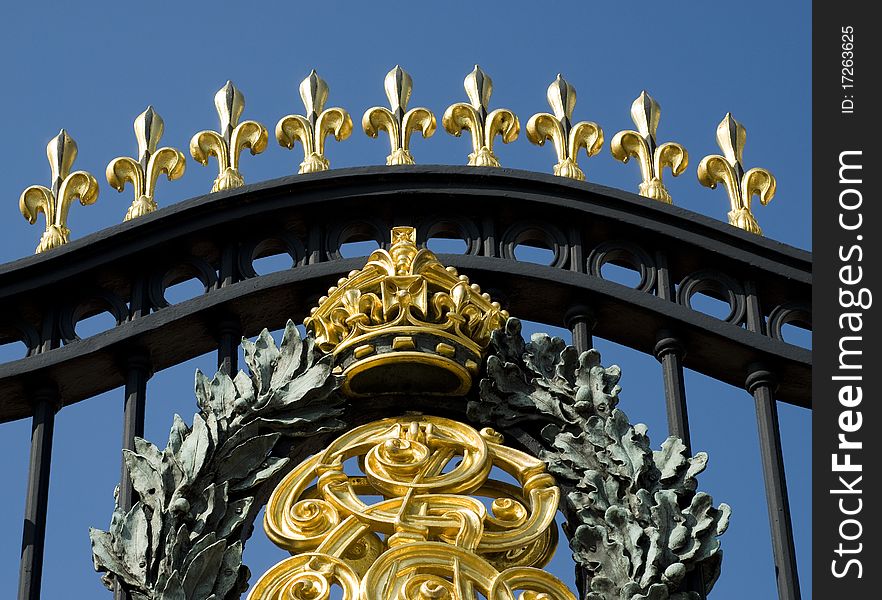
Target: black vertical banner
point(847, 298)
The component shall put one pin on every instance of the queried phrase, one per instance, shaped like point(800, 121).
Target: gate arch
point(212, 229)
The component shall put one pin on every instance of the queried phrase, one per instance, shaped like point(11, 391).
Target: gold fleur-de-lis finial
point(312, 129)
point(729, 170)
point(566, 137)
point(144, 172)
point(642, 145)
point(54, 202)
point(483, 126)
point(399, 122)
point(231, 140)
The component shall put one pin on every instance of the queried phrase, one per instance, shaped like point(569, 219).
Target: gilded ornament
point(404, 306)
point(144, 172)
point(642, 145)
point(312, 129)
point(399, 123)
point(232, 139)
point(483, 125)
point(429, 535)
point(54, 202)
point(567, 138)
point(729, 170)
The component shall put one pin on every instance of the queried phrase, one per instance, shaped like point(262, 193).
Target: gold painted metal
point(233, 137)
point(405, 293)
point(429, 535)
point(729, 170)
point(312, 129)
point(65, 187)
point(642, 145)
point(483, 125)
point(362, 351)
point(566, 137)
point(445, 349)
point(404, 342)
point(399, 123)
point(143, 172)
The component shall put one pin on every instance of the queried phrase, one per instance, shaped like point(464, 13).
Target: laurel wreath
point(640, 526)
point(183, 539)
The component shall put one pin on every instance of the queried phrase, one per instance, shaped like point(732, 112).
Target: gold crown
point(405, 307)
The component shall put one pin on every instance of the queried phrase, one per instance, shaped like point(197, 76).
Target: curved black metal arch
point(317, 210)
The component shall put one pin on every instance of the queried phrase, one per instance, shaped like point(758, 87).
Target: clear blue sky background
point(92, 67)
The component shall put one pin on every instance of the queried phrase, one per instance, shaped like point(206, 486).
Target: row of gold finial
point(399, 123)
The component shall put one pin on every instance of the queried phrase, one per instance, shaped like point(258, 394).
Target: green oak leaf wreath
point(636, 524)
point(183, 539)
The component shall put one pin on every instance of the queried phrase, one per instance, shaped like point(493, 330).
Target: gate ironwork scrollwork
point(430, 536)
point(785, 314)
point(542, 235)
point(722, 286)
point(628, 253)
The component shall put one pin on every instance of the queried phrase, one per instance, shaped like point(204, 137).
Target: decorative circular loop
point(509, 510)
point(717, 285)
point(307, 576)
point(541, 235)
point(425, 586)
point(313, 517)
point(187, 269)
point(18, 330)
point(450, 227)
point(623, 253)
point(408, 569)
point(95, 302)
point(785, 314)
point(282, 243)
point(432, 474)
point(391, 466)
point(354, 231)
point(534, 583)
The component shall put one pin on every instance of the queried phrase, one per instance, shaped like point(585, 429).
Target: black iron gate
point(125, 271)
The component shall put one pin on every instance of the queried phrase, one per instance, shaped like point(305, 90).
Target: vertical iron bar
point(139, 305)
point(488, 232)
point(580, 318)
point(227, 275)
point(230, 332)
point(137, 373)
point(314, 250)
point(37, 503)
point(580, 321)
point(761, 382)
point(669, 351)
point(487, 246)
point(46, 404)
point(229, 329)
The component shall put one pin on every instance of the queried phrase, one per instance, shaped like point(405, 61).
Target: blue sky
point(92, 67)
